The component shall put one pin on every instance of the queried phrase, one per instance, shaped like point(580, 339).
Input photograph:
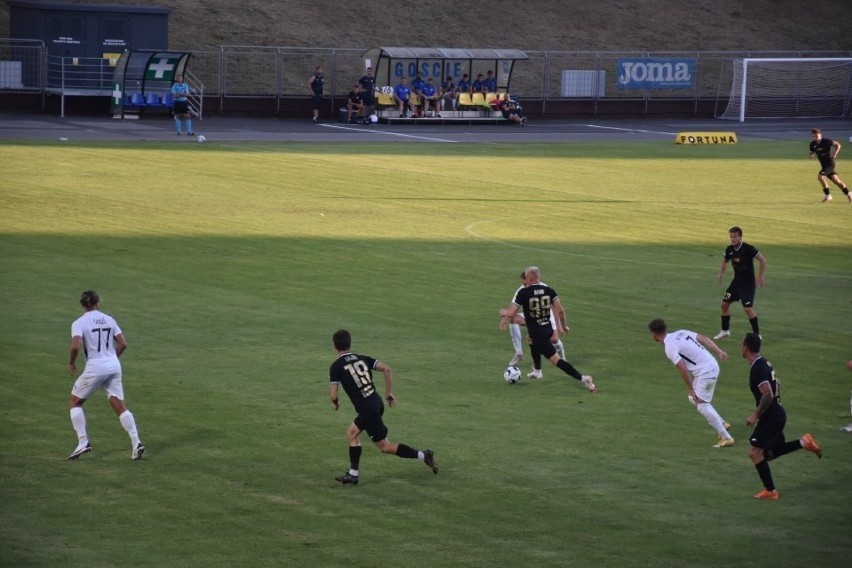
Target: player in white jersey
point(699, 370)
point(102, 342)
point(515, 334)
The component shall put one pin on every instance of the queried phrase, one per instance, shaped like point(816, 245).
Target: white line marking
point(388, 133)
point(631, 129)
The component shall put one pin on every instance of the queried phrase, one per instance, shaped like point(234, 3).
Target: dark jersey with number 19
point(355, 373)
point(536, 301)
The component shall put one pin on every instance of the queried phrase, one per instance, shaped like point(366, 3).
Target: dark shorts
point(768, 436)
point(740, 293)
point(544, 346)
point(316, 101)
point(827, 170)
point(370, 419)
point(181, 107)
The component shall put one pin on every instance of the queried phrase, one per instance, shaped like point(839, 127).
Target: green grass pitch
point(228, 267)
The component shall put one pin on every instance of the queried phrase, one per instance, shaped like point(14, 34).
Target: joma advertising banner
point(656, 73)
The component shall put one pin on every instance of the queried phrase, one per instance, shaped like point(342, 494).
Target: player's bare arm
point(722, 270)
point(761, 260)
point(711, 345)
point(836, 145)
point(766, 397)
point(559, 313)
point(388, 373)
point(76, 344)
point(687, 380)
point(335, 401)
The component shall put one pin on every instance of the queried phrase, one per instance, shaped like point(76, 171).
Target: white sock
point(560, 349)
point(707, 411)
point(420, 455)
point(515, 332)
point(78, 420)
point(129, 424)
point(353, 472)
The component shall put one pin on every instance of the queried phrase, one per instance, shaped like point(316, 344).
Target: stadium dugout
point(392, 64)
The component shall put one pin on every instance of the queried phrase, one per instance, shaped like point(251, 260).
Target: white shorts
point(87, 383)
point(704, 388)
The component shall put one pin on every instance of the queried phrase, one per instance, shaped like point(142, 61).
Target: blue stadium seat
point(168, 100)
point(152, 100)
point(137, 100)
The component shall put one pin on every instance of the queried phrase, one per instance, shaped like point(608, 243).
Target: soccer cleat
point(849, 197)
point(535, 374)
point(190, 133)
point(768, 495)
point(722, 334)
point(826, 199)
point(810, 445)
point(137, 452)
point(80, 451)
point(588, 383)
point(516, 359)
point(523, 121)
point(314, 120)
point(180, 133)
point(727, 425)
point(347, 479)
point(429, 459)
point(724, 443)
point(847, 428)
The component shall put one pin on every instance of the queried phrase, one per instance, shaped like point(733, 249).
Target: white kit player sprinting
point(103, 343)
point(699, 370)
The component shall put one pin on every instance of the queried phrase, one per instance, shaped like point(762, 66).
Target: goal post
point(795, 87)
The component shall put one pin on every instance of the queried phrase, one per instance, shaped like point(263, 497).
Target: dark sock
point(536, 357)
point(726, 323)
point(786, 448)
point(845, 190)
point(569, 369)
point(825, 190)
point(755, 327)
point(406, 452)
point(354, 457)
point(765, 475)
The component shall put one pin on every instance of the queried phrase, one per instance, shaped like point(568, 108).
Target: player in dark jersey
point(822, 149)
point(742, 288)
point(538, 300)
point(355, 373)
point(767, 439)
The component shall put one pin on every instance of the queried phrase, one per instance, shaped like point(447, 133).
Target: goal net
point(786, 88)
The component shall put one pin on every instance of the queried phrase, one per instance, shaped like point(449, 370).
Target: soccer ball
point(201, 138)
point(374, 118)
point(512, 375)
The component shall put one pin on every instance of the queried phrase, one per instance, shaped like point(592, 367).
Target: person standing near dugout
point(315, 83)
point(742, 288)
point(822, 149)
point(180, 92)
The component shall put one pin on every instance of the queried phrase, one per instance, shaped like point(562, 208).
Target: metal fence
point(275, 74)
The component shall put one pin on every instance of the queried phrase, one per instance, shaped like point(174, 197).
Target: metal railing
point(276, 75)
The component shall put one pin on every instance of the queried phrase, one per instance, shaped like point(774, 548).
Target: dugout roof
point(390, 64)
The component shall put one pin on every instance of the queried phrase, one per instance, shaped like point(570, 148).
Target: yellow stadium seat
point(465, 100)
point(385, 99)
point(478, 99)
